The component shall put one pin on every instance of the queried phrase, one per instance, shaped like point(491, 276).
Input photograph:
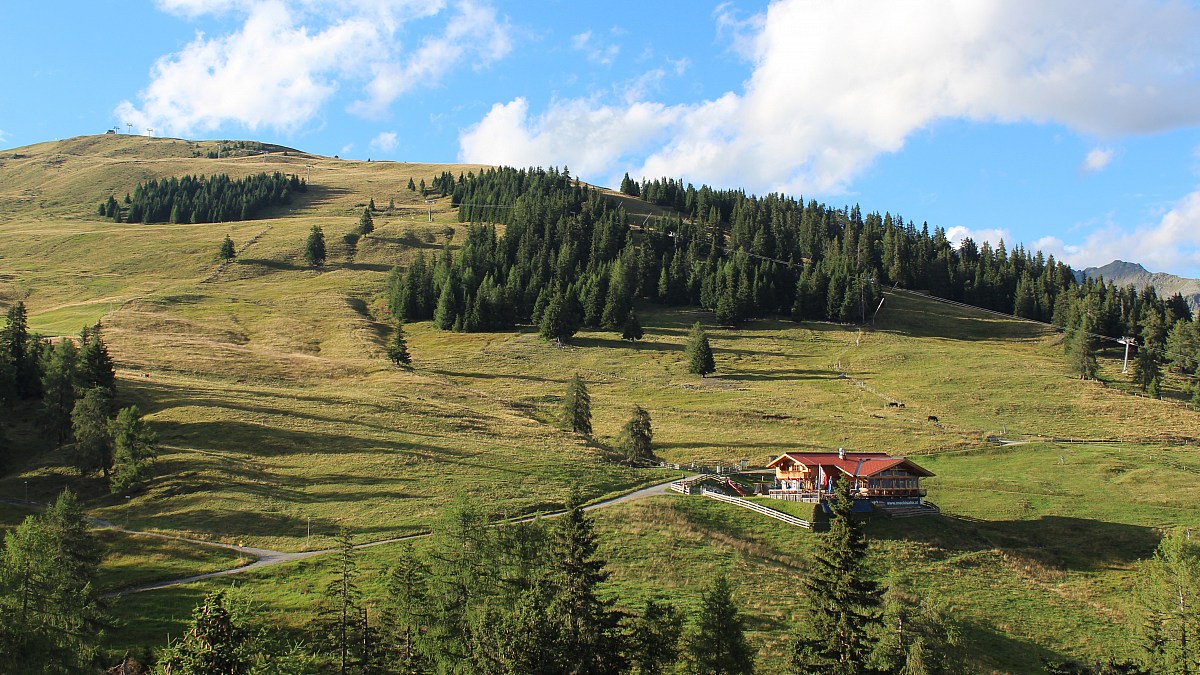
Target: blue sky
point(1069, 126)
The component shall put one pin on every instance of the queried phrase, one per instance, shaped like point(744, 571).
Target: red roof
point(861, 464)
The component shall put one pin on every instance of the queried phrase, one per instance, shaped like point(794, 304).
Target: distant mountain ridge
point(1124, 273)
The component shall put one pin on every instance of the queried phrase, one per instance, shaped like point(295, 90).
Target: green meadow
point(277, 411)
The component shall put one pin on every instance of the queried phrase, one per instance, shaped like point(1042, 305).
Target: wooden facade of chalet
point(875, 476)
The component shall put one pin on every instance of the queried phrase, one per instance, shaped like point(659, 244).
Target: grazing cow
point(893, 404)
point(933, 418)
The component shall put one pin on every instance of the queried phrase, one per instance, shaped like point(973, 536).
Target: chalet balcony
point(813, 496)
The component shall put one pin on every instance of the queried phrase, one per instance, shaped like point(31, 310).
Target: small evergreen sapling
point(699, 352)
point(227, 250)
point(397, 349)
point(577, 407)
point(314, 248)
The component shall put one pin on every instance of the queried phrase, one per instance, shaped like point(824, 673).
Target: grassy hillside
point(267, 384)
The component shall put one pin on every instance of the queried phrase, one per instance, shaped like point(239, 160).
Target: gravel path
point(267, 558)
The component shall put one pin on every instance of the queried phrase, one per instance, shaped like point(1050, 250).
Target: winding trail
point(268, 558)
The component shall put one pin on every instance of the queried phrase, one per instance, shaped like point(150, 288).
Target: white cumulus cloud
point(835, 84)
point(1170, 244)
point(1096, 160)
point(288, 58)
point(385, 141)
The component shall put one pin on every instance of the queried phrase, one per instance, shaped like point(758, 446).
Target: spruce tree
point(559, 321)
point(577, 407)
point(60, 377)
point(92, 449)
point(716, 642)
point(653, 638)
point(227, 251)
point(1083, 354)
point(588, 625)
point(212, 643)
point(637, 435)
point(412, 187)
point(366, 224)
point(632, 329)
point(840, 599)
point(96, 365)
point(314, 248)
point(1147, 372)
point(699, 353)
point(397, 349)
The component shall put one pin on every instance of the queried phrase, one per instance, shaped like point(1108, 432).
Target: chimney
point(841, 453)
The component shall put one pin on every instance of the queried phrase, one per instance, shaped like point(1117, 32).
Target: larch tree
point(577, 407)
point(339, 613)
point(1171, 598)
point(135, 447)
point(699, 352)
point(50, 611)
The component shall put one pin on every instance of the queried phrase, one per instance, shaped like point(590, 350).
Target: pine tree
point(397, 349)
point(227, 251)
point(699, 353)
point(135, 447)
point(412, 187)
point(637, 435)
point(213, 643)
point(716, 643)
point(371, 206)
point(577, 407)
point(314, 248)
point(632, 329)
point(559, 321)
point(841, 600)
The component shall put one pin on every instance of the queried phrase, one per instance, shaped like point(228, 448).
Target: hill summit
point(1124, 273)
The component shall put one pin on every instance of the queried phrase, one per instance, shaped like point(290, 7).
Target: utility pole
point(129, 127)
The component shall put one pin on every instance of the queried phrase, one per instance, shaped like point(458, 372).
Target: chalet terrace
point(874, 476)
